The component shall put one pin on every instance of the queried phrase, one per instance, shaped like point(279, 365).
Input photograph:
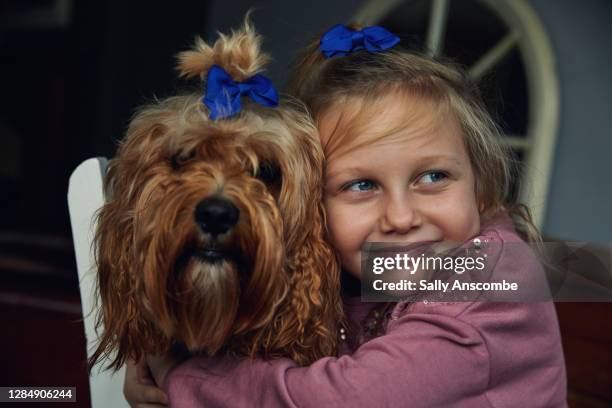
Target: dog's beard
point(223, 286)
point(208, 302)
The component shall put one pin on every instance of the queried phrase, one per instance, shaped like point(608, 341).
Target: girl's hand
point(139, 387)
point(160, 366)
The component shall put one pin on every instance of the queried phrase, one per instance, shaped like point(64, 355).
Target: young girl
point(412, 156)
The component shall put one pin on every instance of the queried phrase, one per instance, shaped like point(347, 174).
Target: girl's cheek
point(457, 217)
point(346, 227)
point(339, 227)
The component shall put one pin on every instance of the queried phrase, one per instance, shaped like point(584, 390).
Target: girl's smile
point(414, 185)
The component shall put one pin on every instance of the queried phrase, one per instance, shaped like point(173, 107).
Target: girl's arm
point(435, 354)
point(424, 359)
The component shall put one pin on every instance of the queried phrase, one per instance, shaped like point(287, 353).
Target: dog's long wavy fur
point(152, 294)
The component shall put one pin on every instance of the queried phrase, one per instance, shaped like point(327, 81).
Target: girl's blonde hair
point(324, 84)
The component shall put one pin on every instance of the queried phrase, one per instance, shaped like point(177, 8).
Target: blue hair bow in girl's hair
point(223, 93)
point(341, 40)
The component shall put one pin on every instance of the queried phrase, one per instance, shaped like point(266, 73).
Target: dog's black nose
point(216, 215)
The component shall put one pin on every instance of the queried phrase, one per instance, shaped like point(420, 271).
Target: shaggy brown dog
point(213, 232)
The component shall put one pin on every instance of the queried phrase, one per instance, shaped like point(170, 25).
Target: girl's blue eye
point(361, 185)
point(433, 177)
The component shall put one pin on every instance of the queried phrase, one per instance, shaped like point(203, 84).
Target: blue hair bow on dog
point(341, 40)
point(223, 94)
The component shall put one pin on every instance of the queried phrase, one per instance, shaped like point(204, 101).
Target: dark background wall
point(580, 197)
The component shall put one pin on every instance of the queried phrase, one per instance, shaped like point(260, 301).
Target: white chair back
point(85, 197)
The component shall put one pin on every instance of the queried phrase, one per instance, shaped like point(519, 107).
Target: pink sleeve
point(478, 354)
point(424, 360)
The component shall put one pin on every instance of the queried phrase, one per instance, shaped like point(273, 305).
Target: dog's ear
point(123, 329)
point(315, 290)
point(314, 307)
point(118, 308)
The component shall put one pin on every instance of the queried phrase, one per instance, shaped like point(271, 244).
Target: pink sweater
point(465, 354)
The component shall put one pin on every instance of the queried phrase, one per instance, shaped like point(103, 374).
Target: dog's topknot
point(238, 53)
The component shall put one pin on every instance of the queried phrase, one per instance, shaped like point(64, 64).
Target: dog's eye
point(174, 162)
point(268, 172)
point(178, 160)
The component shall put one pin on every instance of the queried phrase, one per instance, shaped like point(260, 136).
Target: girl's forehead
point(404, 152)
point(395, 117)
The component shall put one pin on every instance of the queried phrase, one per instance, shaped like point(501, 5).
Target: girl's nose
point(399, 216)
